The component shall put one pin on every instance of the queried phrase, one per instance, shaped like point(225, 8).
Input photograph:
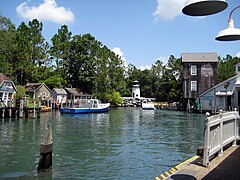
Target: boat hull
point(83, 110)
point(148, 106)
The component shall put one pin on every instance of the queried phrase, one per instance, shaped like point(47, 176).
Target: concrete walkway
point(226, 167)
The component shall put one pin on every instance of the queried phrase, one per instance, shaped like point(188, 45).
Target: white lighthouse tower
point(135, 90)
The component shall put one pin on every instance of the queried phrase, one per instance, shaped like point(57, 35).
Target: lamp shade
point(229, 34)
point(203, 7)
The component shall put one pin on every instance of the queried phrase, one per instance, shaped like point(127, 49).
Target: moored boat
point(148, 106)
point(86, 106)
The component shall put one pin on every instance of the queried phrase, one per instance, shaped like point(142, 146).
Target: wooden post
point(45, 161)
point(10, 108)
point(26, 109)
point(21, 109)
point(39, 109)
point(54, 105)
point(34, 109)
point(3, 110)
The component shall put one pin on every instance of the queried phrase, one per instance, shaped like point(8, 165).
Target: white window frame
point(193, 85)
point(193, 70)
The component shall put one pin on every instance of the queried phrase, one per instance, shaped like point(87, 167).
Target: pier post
point(21, 109)
point(10, 108)
point(54, 105)
point(45, 161)
point(3, 110)
point(39, 109)
point(34, 109)
point(26, 109)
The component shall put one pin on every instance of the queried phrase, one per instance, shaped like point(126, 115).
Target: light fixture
point(231, 33)
point(203, 7)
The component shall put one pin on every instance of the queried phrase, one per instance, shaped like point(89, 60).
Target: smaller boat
point(148, 106)
point(86, 106)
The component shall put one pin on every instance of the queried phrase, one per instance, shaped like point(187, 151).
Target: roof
point(200, 57)
point(60, 91)
point(220, 84)
point(76, 92)
point(30, 87)
point(3, 77)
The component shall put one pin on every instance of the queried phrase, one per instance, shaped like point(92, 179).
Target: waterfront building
point(59, 95)
point(199, 74)
point(75, 95)
point(38, 91)
point(135, 90)
point(7, 89)
point(224, 95)
point(135, 99)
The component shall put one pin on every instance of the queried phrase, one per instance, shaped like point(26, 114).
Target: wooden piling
point(3, 111)
point(34, 109)
point(45, 161)
point(21, 109)
point(10, 108)
point(26, 110)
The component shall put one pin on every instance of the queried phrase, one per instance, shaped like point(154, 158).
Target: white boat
point(86, 106)
point(148, 106)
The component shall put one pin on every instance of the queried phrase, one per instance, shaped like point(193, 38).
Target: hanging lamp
point(204, 7)
point(231, 33)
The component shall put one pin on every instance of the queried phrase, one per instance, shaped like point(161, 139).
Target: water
point(125, 143)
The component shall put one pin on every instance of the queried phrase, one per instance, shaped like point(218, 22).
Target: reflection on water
point(125, 143)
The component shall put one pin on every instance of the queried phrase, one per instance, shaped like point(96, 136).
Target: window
point(193, 85)
point(193, 70)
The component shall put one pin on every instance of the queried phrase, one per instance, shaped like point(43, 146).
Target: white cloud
point(238, 55)
point(47, 11)
point(168, 9)
point(119, 52)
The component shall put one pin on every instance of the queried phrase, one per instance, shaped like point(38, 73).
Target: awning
point(222, 93)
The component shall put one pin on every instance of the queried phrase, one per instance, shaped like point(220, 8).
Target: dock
point(219, 157)
point(220, 168)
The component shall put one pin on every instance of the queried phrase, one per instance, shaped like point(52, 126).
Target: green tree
point(55, 81)
point(7, 47)
point(60, 46)
point(22, 66)
point(113, 97)
point(227, 64)
point(20, 91)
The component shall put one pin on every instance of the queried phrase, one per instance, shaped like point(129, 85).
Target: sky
point(140, 31)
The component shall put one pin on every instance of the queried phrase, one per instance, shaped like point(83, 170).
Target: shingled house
point(59, 95)
point(7, 89)
point(74, 95)
point(199, 75)
point(38, 91)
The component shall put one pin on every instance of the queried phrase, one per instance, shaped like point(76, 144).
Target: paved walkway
point(226, 167)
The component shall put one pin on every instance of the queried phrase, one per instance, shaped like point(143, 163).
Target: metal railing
point(220, 131)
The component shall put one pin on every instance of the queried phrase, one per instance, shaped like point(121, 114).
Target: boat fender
point(57, 103)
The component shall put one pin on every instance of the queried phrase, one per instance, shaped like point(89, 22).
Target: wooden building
point(7, 89)
point(38, 91)
point(224, 96)
point(199, 75)
point(75, 95)
point(59, 95)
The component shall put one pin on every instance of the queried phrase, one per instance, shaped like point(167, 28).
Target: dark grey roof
point(60, 91)
point(200, 57)
point(31, 87)
point(76, 92)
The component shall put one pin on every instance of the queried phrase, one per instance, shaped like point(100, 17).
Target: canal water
point(124, 143)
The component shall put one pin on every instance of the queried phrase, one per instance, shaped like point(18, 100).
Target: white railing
point(220, 130)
